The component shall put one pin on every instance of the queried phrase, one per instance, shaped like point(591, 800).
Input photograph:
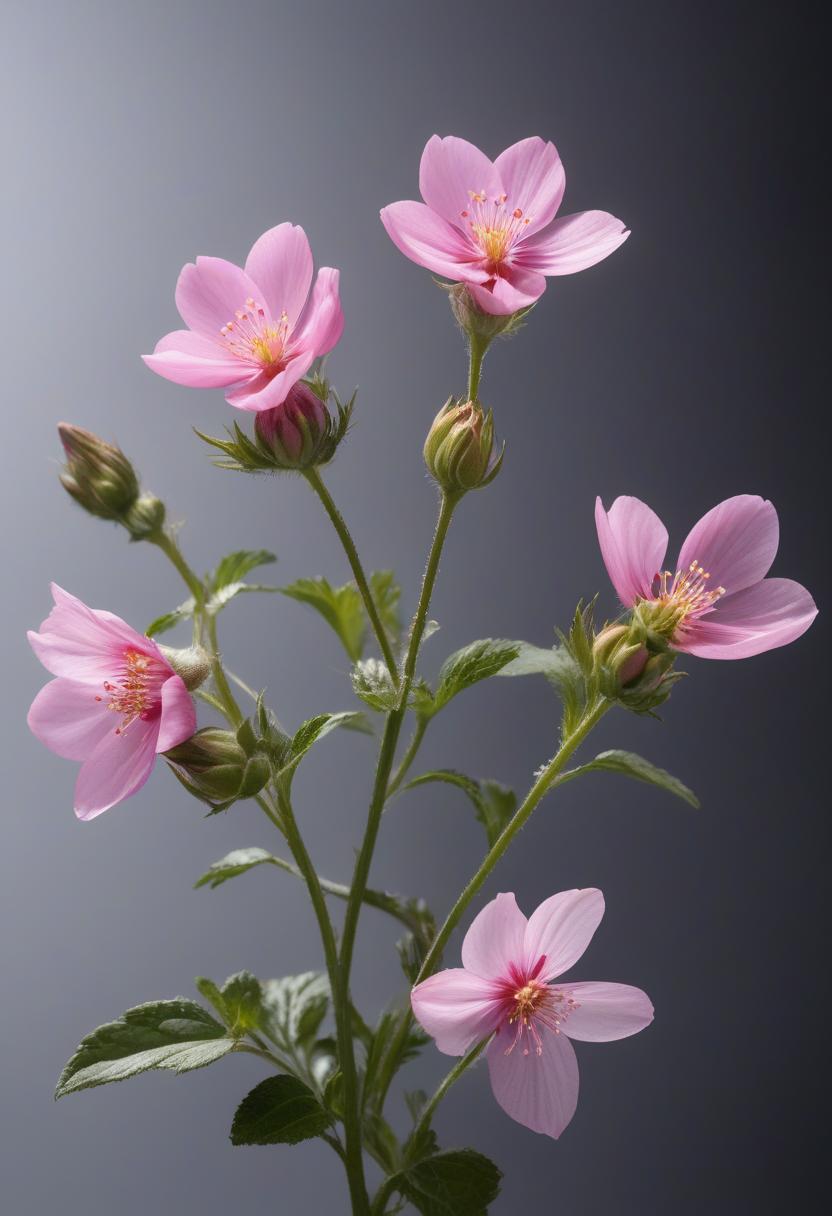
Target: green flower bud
point(214, 767)
point(459, 449)
point(633, 666)
point(145, 518)
point(97, 474)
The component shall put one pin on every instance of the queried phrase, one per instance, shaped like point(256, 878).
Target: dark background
point(688, 367)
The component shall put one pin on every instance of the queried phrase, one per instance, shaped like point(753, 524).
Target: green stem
point(164, 541)
point(476, 353)
point(408, 757)
point(314, 478)
point(387, 752)
point(235, 714)
point(444, 1085)
point(540, 788)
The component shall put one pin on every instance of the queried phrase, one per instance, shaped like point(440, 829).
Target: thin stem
point(314, 478)
point(444, 1085)
point(164, 541)
point(476, 353)
point(235, 714)
point(408, 757)
point(540, 788)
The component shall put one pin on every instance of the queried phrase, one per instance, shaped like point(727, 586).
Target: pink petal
point(280, 263)
point(66, 717)
point(735, 542)
point(451, 171)
point(539, 1091)
point(188, 358)
point(178, 720)
point(209, 293)
point(430, 241)
point(456, 1008)
point(573, 243)
point(515, 288)
point(561, 929)
point(495, 939)
point(264, 391)
point(772, 613)
point(82, 644)
point(633, 544)
point(534, 180)
point(322, 322)
point(118, 767)
point(605, 1011)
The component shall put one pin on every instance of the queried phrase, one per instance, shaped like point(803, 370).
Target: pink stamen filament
point(131, 696)
point(495, 226)
point(537, 1006)
point(687, 590)
point(251, 336)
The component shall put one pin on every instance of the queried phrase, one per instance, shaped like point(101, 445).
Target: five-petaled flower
point(115, 704)
point(717, 602)
point(492, 226)
point(252, 331)
point(506, 987)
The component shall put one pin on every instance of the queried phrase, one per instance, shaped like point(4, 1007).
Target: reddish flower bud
point(294, 433)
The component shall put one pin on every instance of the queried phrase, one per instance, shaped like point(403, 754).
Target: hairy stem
point(408, 757)
point(316, 482)
point(476, 353)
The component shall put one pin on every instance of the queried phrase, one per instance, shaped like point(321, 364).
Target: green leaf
point(280, 1110)
point(235, 566)
point(494, 803)
point(341, 608)
point(219, 599)
point(178, 1035)
point(167, 621)
point(460, 1182)
point(386, 594)
point(637, 767)
point(238, 861)
point(372, 682)
point(294, 1007)
point(556, 663)
point(314, 729)
point(475, 662)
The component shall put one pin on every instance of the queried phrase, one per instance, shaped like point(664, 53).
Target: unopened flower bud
point(145, 517)
point(295, 432)
point(616, 650)
point(213, 766)
point(459, 449)
point(97, 474)
point(192, 664)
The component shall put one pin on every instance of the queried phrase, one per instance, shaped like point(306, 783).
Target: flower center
point(687, 591)
point(494, 225)
point(535, 1006)
point(133, 696)
point(253, 337)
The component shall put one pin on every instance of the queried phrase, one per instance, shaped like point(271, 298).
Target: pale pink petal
point(573, 243)
point(117, 767)
point(561, 929)
point(633, 544)
point(514, 289)
point(178, 721)
point(322, 323)
point(456, 1008)
point(430, 241)
point(79, 643)
point(266, 390)
point(188, 358)
point(604, 1012)
point(772, 613)
point(209, 293)
point(451, 171)
point(280, 263)
point(495, 939)
point(533, 178)
point(539, 1091)
point(67, 718)
point(735, 542)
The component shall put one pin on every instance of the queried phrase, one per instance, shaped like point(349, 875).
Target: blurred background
point(688, 367)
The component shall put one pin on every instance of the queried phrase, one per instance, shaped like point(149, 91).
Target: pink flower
point(718, 604)
point(490, 224)
point(254, 330)
point(116, 703)
point(505, 988)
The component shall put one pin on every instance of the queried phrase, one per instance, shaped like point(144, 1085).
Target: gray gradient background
point(686, 368)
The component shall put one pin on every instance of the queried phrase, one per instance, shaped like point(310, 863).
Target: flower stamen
point(494, 227)
point(131, 696)
point(252, 336)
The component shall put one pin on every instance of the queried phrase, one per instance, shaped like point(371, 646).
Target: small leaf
point(178, 1035)
point(219, 599)
point(341, 608)
point(494, 803)
point(314, 729)
point(235, 566)
point(637, 767)
point(460, 1182)
point(295, 1007)
point(555, 663)
point(372, 682)
point(386, 594)
point(475, 662)
point(280, 1110)
point(239, 861)
point(167, 621)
